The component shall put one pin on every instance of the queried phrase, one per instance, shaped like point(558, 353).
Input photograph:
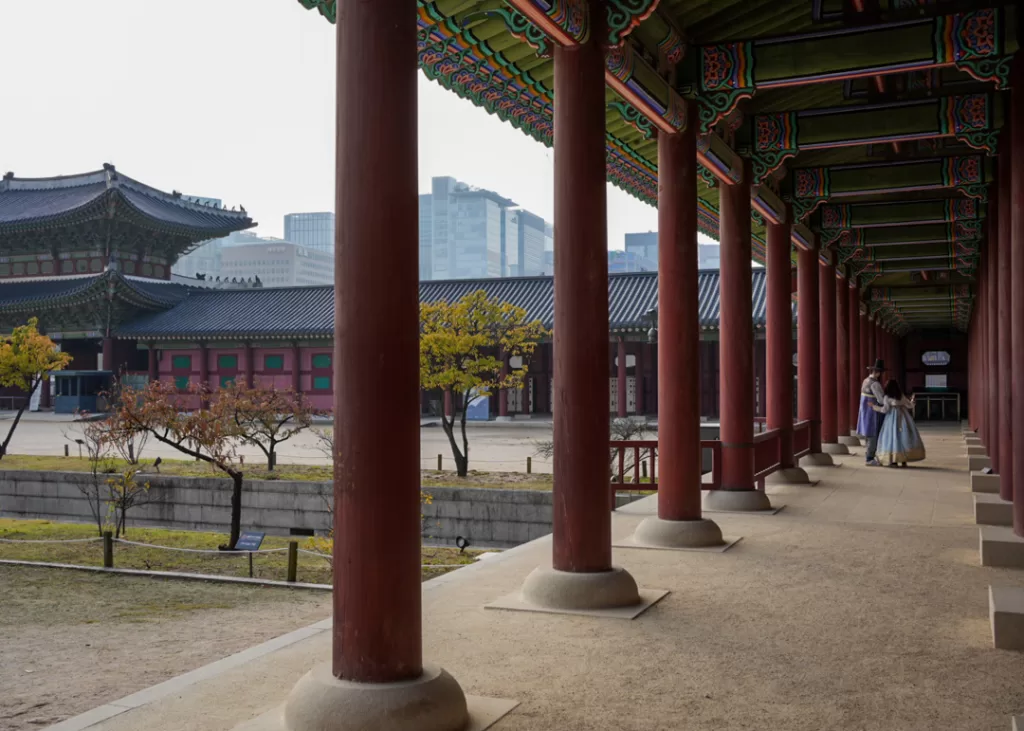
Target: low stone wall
point(486, 517)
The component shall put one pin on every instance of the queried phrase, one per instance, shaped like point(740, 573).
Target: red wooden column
point(503, 392)
point(842, 391)
point(296, 368)
point(108, 353)
point(250, 366)
point(1006, 245)
point(830, 369)
point(582, 575)
point(778, 382)
point(204, 374)
point(377, 620)
point(641, 363)
point(981, 309)
point(154, 367)
point(736, 354)
point(808, 352)
point(525, 403)
point(992, 326)
point(860, 370)
point(679, 521)
point(857, 372)
point(1017, 296)
point(621, 379)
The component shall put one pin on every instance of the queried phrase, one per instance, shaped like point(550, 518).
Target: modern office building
point(277, 263)
point(311, 230)
point(624, 262)
point(644, 247)
point(468, 232)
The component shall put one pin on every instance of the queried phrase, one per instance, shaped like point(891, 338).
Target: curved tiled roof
point(27, 203)
point(308, 312)
point(34, 295)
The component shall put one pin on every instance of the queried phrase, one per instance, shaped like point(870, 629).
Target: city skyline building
point(644, 250)
point(314, 230)
point(277, 263)
point(468, 232)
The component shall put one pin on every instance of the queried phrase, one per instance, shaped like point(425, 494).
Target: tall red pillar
point(830, 368)
point(1017, 296)
point(778, 383)
point(992, 325)
point(981, 308)
point(736, 353)
point(808, 352)
point(153, 366)
point(108, 353)
point(204, 374)
point(582, 504)
point(621, 380)
point(842, 390)
point(296, 368)
point(503, 392)
point(377, 621)
point(1006, 202)
point(857, 365)
point(641, 363)
point(865, 350)
point(679, 522)
point(250, 366)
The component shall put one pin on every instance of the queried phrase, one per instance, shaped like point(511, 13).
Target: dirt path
point(73, 641)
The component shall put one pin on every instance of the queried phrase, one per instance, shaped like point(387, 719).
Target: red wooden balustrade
point(801, 439)
point(621, 448)
point(767, 458)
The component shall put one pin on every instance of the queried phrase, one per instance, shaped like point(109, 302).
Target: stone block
point(972, 440)
point(982, 483)
point(1006, 612)
point(992, 510)
point(976, 464)
point(1001, 547)
point(976, 450)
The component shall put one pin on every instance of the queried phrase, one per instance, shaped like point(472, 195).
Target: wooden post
point(529, 465)
point(293, 561)
point(440, 462)
point(108, 549)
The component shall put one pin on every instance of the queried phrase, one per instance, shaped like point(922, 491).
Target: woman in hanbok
point(899, 442)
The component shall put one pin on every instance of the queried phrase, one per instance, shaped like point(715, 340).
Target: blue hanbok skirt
point(899, 440)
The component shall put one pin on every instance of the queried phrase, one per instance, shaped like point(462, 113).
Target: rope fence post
point(529, 465)
point(293, 561)
point(440, 459)
point(108, 549)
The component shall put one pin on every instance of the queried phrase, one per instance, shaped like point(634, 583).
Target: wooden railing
point(767, 457)
point(644, 463)
point(801, 439)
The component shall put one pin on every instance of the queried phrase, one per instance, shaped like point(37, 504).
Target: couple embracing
point(886, 422)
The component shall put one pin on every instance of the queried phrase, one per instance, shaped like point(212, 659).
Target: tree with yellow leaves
point(463, 348)
point(26, 356)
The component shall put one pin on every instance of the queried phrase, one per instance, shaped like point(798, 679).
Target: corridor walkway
point(861, 605)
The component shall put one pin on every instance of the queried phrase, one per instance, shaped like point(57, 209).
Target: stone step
point(1001, 547)
point(976, 450)
point(981, 482)
point(1006, 612)
point(992, 510)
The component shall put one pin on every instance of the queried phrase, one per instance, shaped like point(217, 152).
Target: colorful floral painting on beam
point(625, 15)
point(969, 119)
point(775, 142)
point(973, 43)
point(727, 76)
point(810, 189)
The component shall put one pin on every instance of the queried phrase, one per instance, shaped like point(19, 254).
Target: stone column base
point(788, 476)
point(982, 483)
point(701, 533)
point(322, 702)
point(1001, 547)
point(833, 448)
point(736, 500)
point(977, 464)
point(504, 418)
point(568, 590)
point(992, 510)
point(817, 459)
point(976, 450)
point(850, 441)
point(1006, 613)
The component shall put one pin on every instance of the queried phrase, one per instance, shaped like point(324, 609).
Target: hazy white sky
point(231, 99)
